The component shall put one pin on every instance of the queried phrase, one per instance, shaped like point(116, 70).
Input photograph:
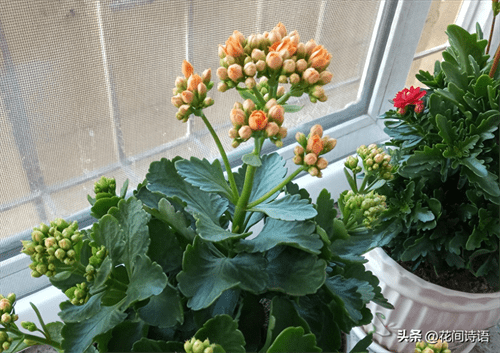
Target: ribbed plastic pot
point(423, 307)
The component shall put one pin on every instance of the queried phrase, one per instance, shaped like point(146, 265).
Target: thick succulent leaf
point(488, 184)
point(78, 336)
point(347, 290)
point(489, 124)
point(251, 159)
point(75, 313)
point(287, 208)
point(325, 205)
point(163, 178)
point(212, 232)
point(362, 345)
point(163, 310)
point(148, 345)
point(124, 335)
point(293, 339)
point(294, 271)
point(208, 177)
point(207, 273)
point(282, 315)
point(133, 223)
point(54, 330)
point(466, 44)
point(475, 166)
point(269, 175)
point(166, 213)
point(107, 232)
point(446, 130)
point(146, 279)
point(101, 206)
point(275, 232)
point(223, 330)
point(165, 248)
point(290, 108)
point(454, 75)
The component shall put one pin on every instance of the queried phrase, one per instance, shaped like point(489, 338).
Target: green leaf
point(75, 313)
point(454, 75)
point(489, 124)
point(350, 179)
point(245, 94)
point(148, 345)
point(168, 303)
point(488, 184)
point(466, 44)
point(78, 336)
point(282, 315)
point(107, 232)
point(290, 108)
point(163, 178)
point(207, 273)
point(275, 232)
point(481, 86)
point(417, 247)
point(325, 206)
point(362, 345)
point(293, 339)
point(210, 231)
point(166, 213)
point(475, 239)
point(147, 279)
point(347, 291)
point(165, 248)
point(446, 131)
point(124, 335)
point(133, 222)
point(101, 206)
point(208, 177)
point(54, 331)
point(223, 330)
point(294, 272)
point(252, 159)
point(287, 208)
point(475, 166)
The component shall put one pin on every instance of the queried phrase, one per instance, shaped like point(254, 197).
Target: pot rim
point(392, 269)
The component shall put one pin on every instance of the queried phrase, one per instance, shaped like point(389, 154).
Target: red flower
point(407, 97)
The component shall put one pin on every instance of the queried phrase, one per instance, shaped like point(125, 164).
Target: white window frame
point(364, 128)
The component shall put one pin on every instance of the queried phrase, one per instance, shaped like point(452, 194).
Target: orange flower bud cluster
point(303, 65)
point(311, 147)
point(190, 92)
point(375, 160)
point(249, 122)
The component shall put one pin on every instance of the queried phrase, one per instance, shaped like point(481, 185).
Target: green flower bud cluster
point(375, 160)
point(50, 244)
point(371, 204)
point(5, 341)
point(196, 346)
point(28, 325)
point(78, 294)
point(352, 164)
point(105, 186)
point(438, 347)
point(99, 253)
point(7, 314)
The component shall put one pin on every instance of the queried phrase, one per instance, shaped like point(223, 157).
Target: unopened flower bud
point(313, 171)
point(237, 117)
point(322, 163)
point(280, 91)
point(37, 236)
point(310, 159)
point(250, 82)
point(272, 129)
point(258, 55)
point(245, 132)
point(419, 108)
point(233, 133)
point(229, 60)
point(274, 60)
point(5, 305)
point(260, 65)
point(5, 345)
point(180, 83)
point(288, 66)
point(309, 46)
point(300, 66)
point(298, 150)
point(207, 102)
point(183, 110)
point(187, 96)
point(235, 143)
point(6, 318)
point(283, 132)
point(206, 76)
point(250, 69)
point(248, 106)
point(257, 120)
point(330, 145)
point(311, 76)
point(222, 73)
point(60, 254)
point(35, 274)
point(301, 138)
point(298, 160)
point(221, 52)
point(318, 92)
point(316, 130)
point(234, 72)
point(325, 77)
point(277, 113)
point(283, 79)
point(202, 89)
point(294, 79)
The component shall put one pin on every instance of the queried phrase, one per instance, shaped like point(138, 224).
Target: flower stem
point(38, 339)
point(277, 188)
point(241, 205)
point(230, 175)
point(496, 59)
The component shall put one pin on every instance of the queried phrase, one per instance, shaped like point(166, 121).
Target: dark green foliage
point(446, 195)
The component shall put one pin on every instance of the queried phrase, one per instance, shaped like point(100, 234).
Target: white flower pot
point(423, 307)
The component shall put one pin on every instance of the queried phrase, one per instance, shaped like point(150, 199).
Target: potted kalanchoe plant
point(177, 267)
point(444, 201)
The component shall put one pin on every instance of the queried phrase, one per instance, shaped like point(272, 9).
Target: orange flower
point(314, 144)
point(187, 69)
point(280, 27)
point(234, 46)
point(193, 82)
point(320, 58)
point(285, 47)
point(257, 120)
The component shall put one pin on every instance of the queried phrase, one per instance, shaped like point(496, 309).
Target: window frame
point(359, 124)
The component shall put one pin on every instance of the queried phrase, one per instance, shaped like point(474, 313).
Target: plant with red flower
point(406, 97)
